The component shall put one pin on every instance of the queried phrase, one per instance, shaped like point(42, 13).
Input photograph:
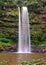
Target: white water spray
point(24, 31)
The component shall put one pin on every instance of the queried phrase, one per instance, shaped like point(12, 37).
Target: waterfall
point(24, 45)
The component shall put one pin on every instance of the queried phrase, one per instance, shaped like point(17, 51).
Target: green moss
point(14, 12)
point(43, 43)
point(5, 41)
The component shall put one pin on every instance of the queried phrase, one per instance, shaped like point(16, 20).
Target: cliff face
point(9, 23)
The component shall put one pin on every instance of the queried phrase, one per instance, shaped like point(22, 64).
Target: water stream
point(24, 45)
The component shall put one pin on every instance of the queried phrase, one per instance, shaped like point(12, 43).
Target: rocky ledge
point(39, 49)
point(35, 49)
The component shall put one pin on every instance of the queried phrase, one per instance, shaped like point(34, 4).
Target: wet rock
point(39, 49)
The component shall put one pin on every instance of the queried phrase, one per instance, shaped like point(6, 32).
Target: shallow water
point(14, 58)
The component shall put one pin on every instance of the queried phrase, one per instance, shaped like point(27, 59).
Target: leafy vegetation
point(33, 62)
point(4, 63)
point(5, 42)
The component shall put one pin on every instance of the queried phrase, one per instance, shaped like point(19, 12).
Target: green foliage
point(38, 37)
point(6, 2)
point(4, 63)
point(14, 37)
point(4, 41)
point(29, 2)
point(43, 43)
point(34, 40)
point(21, 2)
point(33, 62)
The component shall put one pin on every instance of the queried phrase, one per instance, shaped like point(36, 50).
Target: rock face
point(39, 49)
point(11, 48)
point(9, 24)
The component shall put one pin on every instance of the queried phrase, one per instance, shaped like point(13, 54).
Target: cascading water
point(24, 32)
